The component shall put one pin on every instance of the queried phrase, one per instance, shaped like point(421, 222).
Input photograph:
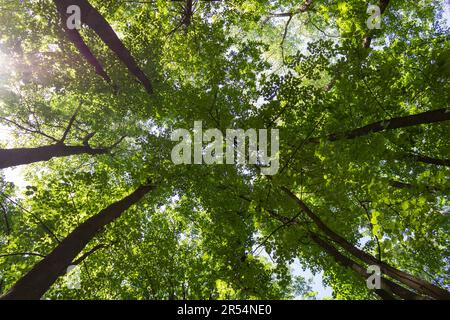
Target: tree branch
point(32, 131)
point(427, 117)
point(302, 9)
point(90, 252)
point(22, 254)
point(71, 121)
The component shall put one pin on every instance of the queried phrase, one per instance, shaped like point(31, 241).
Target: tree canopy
point(363, 120)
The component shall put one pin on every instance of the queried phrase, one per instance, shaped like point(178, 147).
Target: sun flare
point(6, 66)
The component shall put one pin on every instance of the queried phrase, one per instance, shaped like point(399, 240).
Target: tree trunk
point(414, 283)
point(19, 156)
point(41, 277)
point(403, 185)
point(388, 288)
point(429, 160)
point(78, 41)
point(188, 12)
point(91, 17)
point(439, 115)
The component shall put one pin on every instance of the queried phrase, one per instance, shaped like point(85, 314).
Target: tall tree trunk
point(19, 156)
point(428, 160)
point(40, 278)
point(91, 17)
point(388, 287)
point(188, 12)
point(411, 281)
point(78, 41)
point(439, 115)
point(403, 185)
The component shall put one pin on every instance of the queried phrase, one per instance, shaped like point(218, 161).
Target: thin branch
point(32, 131)
point(90, 252)
point(286, 27)
point(87, 138)
point(429, 160)
point(116, 143)
point(290, 14)
point(286, 222)
point(46, 228)
point(285, 31)
point(366, 210)
point(5, 216)
point(21, 254)
point(323, 32)
point(304, 141)
point(71, 121)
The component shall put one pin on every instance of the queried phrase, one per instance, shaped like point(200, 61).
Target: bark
point(388, 288)
point(188, 12)
point(41, 277)
point(428, 160)
point(411, 281)
point(403, 185)
point(78, 41)
point(305, 6)
point(5, 216)
point(91, 17)
point(20, 156)
point(87, 254)
point(439, 115)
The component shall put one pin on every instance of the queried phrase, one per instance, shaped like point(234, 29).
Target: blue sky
point(317, 283)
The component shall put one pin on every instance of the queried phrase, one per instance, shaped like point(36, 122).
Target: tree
point(363, 118)
point(39, 279)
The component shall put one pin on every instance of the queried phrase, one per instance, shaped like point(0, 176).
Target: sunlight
point(6, 70)
point(6, 67)
point(447, 13)
point(5, 134)
point(2, 58)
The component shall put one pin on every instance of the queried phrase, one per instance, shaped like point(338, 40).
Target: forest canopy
point(311, 135)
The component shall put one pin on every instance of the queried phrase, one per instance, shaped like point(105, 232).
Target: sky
point(317, 283)
point(298, 270)
point(447, 12)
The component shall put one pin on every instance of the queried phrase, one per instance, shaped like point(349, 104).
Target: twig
point(22, 254)
point(71, 121)
point(33, 215)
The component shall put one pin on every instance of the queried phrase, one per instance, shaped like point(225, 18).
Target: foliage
point(235, 65)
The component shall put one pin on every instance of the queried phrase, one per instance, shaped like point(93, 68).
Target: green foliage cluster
point(235, 65)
